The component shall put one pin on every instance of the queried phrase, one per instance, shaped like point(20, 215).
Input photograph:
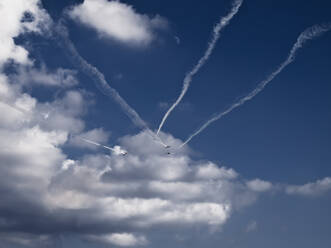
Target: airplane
point(167, 147)
point(117, 150)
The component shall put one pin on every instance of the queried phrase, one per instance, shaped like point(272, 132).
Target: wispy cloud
point(42, 76)
point(251, 227)
point(310, 189)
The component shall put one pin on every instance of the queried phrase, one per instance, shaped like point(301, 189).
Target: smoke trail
point(98, 78)
point(309, 34)
point(224, 21)
point(95, 143)
point(96, 75)
point(116, 150)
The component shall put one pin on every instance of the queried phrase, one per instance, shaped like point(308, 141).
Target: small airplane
point(167, 147)
point(117, 150)
point(162, 143)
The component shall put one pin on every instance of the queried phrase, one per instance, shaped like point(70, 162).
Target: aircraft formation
point(99, 79)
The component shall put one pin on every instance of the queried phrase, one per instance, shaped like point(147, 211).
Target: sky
point(74, 73)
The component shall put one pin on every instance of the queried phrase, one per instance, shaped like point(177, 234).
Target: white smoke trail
point(97, 144)
point(96, 75)
point(99, 79)
point(309, 34)
point(224, 21)
point(117, 149)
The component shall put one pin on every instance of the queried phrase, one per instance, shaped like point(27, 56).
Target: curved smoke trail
point(189, 76)
point(98, 78)
point(309, 34)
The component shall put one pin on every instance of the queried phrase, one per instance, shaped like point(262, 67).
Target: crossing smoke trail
point(98, 78)
point(189, 76)
point(309, 34)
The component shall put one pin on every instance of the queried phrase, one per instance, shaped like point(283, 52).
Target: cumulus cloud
point(63, 113)
point(310, 189)
point(14, 23)
point(115, 199)
point(118, 21)
point(212, 171)
point(14, 105)
point(100, 197)
point(30, 156)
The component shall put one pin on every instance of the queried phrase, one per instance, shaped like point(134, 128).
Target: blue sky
point(260, 176)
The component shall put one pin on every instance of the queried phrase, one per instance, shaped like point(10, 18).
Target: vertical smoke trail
point(99, 79)
point(189, 76)
point(309, 34)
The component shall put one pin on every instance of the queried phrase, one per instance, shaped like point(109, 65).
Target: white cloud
point(149, 188)
point(120, 239)
point(104, 198)
point(63, 113)
point(310, 189)
point(212, 171)
point(11, 16)
point(29, 158)
point(29, 146)
point(121, 197)
point(14, 106)
point(93, 196)
point(259, 185)
point(33, 76)
point(118, 21)
point(67, 163)
point(145, 189)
